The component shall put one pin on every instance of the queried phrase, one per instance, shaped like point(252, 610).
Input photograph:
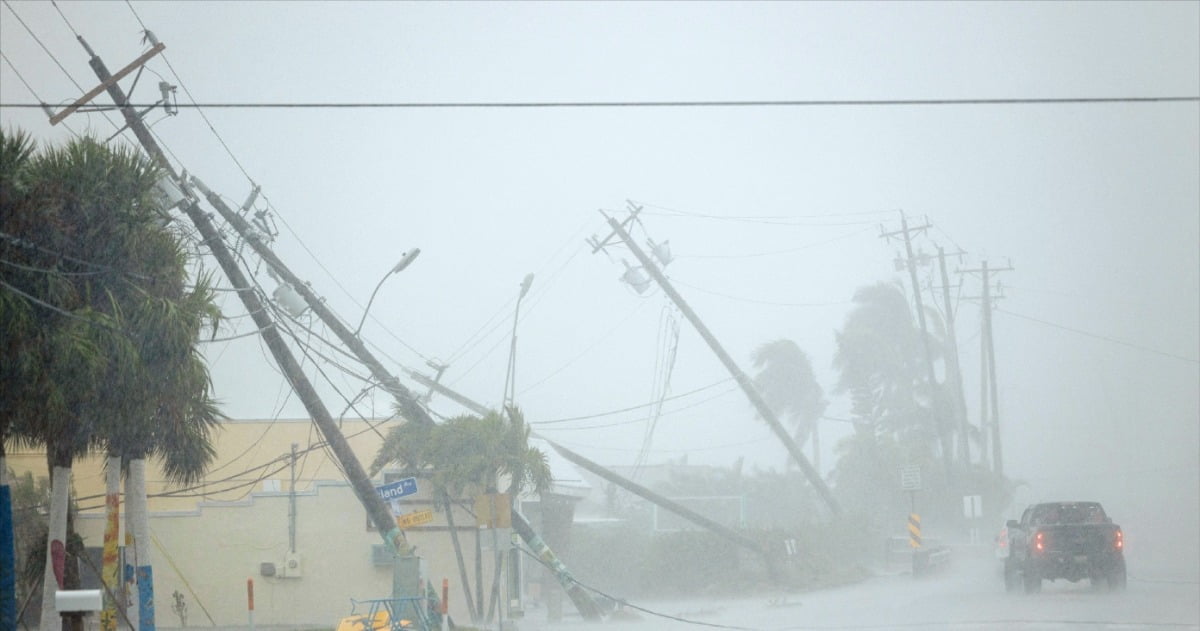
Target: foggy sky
point(774, 213)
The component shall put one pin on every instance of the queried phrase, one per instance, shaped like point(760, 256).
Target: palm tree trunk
point(138, 523)
point(56, 550)
point(8, 555)
point(499, 560)
point(462, 566)
point(112, 530)
point(478, 574)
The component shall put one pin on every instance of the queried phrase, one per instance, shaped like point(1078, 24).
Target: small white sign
point(972, 506)
point(910, 478)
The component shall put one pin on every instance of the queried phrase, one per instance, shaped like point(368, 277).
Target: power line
point(596, 342)
point(670, 104)
point(762, 302)
point(30, 88)
point(64, 18)
point(52, 56)
point(801, 248)
point(637, 420)
point(193, 99)
point(625, 603)
point(1099, 337)
point(689, 213)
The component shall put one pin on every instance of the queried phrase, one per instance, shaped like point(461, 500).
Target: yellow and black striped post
point(914, 530)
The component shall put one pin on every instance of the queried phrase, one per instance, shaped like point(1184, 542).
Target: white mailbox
point(78, 600)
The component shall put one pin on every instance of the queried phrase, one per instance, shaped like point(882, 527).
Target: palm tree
point(880, 364)
point(787, 383)
point(112, 331)
point(467, 455)
point(18, 323)
point(164, 409)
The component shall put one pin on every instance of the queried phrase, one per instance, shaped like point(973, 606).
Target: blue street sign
point(397, 489)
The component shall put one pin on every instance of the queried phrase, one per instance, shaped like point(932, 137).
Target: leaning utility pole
point(629, 485)
point(409, 406)
point(953, 368)
point(380, 515)
point(747, 386)
point(910, 263)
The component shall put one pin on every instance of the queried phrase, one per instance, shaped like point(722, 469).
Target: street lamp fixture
point(510, 385)
point(515, 608)
point(405, 260)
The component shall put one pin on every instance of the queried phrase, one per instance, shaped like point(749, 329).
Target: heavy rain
point(580, 315)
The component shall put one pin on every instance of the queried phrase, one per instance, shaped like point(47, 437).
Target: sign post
point(973, 510)
point(395, 490)
point(910, 480)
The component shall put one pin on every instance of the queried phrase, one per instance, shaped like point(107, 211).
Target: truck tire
point(1031, 579)
point(1012, 576)
point(1116, 577)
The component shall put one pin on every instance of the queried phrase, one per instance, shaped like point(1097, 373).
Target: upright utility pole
point(954, 370)
point(380, 515)
point(746, 384)
point(911, 264)
point(997, 450)
point(292, 504)
point(988, 395)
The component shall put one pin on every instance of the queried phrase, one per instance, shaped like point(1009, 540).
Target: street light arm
point(368, 309)
point(405, 260)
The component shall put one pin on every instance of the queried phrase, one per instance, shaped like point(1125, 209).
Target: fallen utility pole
point(380, 515)
point(629, 485)
point(728, 533)
point(410, 407)
point(747, 386)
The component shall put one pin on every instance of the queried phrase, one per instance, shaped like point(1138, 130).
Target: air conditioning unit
point(382, 555)
point(293, 565)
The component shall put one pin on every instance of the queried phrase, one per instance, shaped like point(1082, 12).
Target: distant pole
point(8, 564)
point(988, 393)
point(997, 451)
point(953, 367)
point(250, 601)
point(985, 423)
point(445, 608)
point(910, 263)
point(292, 505)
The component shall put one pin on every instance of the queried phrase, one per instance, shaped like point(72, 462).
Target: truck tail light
point(1119, 540)
point(1039, 542)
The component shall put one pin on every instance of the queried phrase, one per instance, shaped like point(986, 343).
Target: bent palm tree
point(466, 455)
point(787, 383)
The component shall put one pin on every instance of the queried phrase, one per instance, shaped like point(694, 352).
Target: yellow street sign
point(417, 518)
point(492, 510)
point(914, 530)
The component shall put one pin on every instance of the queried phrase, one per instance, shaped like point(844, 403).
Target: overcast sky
point(774, 213)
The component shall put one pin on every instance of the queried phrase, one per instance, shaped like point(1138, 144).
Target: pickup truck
point(1069, 540)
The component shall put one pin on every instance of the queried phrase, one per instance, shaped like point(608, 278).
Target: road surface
point(967, 595)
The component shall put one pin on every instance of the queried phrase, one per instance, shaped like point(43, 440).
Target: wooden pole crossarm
point(83, 100)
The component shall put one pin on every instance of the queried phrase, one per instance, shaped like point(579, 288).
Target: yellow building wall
point(210, 538)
